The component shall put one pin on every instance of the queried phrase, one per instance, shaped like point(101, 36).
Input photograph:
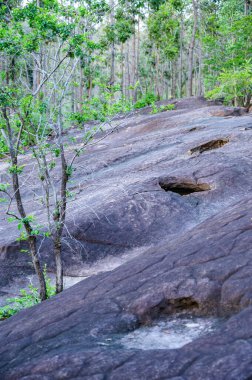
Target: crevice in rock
point(210, 145)
point(178, 306)
point(184, 188)
point(194, 129)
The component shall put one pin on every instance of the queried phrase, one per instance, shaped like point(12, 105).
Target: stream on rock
point(166, 333)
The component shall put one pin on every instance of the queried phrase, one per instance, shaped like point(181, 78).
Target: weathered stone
point(229, 111)
point(197, 260)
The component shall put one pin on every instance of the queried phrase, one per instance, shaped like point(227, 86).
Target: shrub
point(26, 299)
point(100, 109)
point(146, 100)
point(234, 85)
point(3, 147)
point(155, 109)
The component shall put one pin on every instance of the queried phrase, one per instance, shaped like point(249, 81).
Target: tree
point(34, 107)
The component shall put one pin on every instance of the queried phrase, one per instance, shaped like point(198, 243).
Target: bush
point(156, 109)
point(146, 100)
point(26, 299)
point(100, 109)
point(234, 85)
point(3, 147)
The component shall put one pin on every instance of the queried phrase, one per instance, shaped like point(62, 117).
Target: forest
point(76, 65)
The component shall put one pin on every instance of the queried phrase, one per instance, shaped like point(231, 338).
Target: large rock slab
point(207, 271)
point(176, 188)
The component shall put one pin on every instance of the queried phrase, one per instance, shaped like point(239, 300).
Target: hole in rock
point(184, 188)
point(170, 333)
point(210, 145)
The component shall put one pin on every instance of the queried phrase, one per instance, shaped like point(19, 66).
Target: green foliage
point(163, 27)
point(4, 149)
point(15, 169)
point(163, 108)
point(101, 107)
point(168, 107)
point(228, 49)
point(26, 299)
point(234, 85)
point(146, 100)
point(122, 29)
point(4, 187)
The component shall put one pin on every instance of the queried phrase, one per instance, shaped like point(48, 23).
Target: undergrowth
point(26, 299)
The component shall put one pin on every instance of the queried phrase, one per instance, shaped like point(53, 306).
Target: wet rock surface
point(188, 251)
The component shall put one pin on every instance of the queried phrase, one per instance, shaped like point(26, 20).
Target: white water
point(171, 333)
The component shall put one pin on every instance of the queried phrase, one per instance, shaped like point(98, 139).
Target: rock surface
point(171, 192)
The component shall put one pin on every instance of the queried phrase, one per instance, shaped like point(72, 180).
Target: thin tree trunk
point(37, 266)
point(157, 75)
point(137, 58)
point(112, 21)
point(58, 263)
point(246, 7)
point(60, 211)
point(22, 213)
point(173, 88)
point(181, 57)
point(128, 71)
point(200, 79)
point(134, 62)
point(191, 48)
point(122, 70)
point(80, 100)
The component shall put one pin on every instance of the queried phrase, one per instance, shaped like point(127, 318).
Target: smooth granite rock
point(177, 187)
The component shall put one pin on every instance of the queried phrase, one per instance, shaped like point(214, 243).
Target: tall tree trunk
point(112, 22)
point(128, 82)
point(80, 97)
point(191, 48)
point(200, 78)
point(181, 56)
point(246, 7)
point(173, 87)
point(60, 210)
point(137, 58)
point(157, 84)
point(134, 62)
point(122, 70)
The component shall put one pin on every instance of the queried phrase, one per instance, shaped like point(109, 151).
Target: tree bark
point(122, 70)
point(60, 210)
point(58, 263)
point(173, 87)
point(191, 48)
point(200, 79)
point(112, 22)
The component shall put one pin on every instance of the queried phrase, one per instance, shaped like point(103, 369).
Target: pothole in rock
point(184, 188)
point(210, 145)
point(170, 333)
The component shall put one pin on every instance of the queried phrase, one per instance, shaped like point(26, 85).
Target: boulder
point(167, 193)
